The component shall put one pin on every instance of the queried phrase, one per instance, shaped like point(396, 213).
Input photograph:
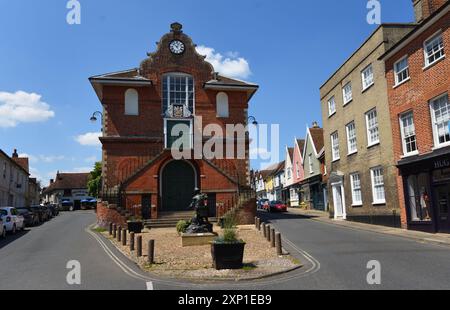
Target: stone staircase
point(170, 219)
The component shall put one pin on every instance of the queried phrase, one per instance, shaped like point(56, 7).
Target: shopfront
point(426, 182)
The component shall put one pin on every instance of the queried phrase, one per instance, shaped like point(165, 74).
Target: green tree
point(95, 180)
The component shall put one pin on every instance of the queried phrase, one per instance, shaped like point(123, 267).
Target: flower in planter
point(229, 236)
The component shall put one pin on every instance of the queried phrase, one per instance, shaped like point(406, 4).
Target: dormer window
point(178, 95)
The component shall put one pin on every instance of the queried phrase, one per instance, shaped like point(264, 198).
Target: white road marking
point(149, 286)
point(314, 268)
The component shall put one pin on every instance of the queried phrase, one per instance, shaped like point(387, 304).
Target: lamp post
point(253, 120)
point(94, 117)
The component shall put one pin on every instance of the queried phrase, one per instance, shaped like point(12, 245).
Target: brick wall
point(414, 95)
point(107, 214)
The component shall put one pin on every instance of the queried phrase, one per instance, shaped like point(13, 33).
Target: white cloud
point(43, 158)
point(91, 159)
point(89, 139)
point(230, 65)
point(82, 170)
point(22, 107)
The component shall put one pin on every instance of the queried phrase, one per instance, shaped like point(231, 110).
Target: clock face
point(177, 47)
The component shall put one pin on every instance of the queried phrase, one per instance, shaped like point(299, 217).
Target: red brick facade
point(415, 95)
point(134, 153)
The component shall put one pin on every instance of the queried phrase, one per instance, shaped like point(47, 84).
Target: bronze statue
point(200, 223)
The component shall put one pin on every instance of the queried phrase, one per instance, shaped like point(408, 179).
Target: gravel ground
point(195, 262)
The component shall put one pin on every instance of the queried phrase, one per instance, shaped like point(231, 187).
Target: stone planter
point(227, 255)
point(135, 226)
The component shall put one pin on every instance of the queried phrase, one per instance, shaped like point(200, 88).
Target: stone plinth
point(197, 239)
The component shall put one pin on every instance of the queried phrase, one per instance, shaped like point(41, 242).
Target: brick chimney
point(424, 8)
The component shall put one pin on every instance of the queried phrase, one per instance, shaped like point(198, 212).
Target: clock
point(177, 47)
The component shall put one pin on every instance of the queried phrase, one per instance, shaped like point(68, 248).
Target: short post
point(114, 231)
point(131, 241)
point(272, 237)
point(119, 234)
point(151, 251)
point(268, 232)
point(124, 237)
point(258, 224)
point(264, 230)
point(278, 244)
point(110, 229)
point(139, 246)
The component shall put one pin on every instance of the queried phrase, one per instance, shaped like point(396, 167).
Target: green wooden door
point(178, 184)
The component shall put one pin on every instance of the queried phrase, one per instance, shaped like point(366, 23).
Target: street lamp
point(253, 120)
point(94, 118)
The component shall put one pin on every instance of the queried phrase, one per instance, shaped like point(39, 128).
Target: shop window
point(419, 197)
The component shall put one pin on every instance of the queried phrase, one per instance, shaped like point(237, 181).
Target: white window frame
point(377, 201)
point(311, 166)
point(398, 73)
point(334, 146)
point(431, 39)
point(167, 77)
point(369, 138)
point(403, 134)
point(352, 183)
point(437, 144)
point(332, 111)
point(347, 128)
point(347, 99)
point(364, 85)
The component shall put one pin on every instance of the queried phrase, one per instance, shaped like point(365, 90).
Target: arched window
point(222, 105)
point(131, 102)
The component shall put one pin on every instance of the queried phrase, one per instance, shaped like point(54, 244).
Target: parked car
point(276, 206)
point(2, 229)
point(43, 215)
point(12, 220)
point(262, 203)
point(67, 206)
point(31, 218)
point(48, 212)
point(54, 210)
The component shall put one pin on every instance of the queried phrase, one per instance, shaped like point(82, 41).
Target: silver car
point(12, 220)
point(2, 229)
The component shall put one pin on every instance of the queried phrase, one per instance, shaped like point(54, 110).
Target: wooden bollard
point(258, 224)
point(139, 246)
point(119, 234)
point(124, 237)
point(131, 241)
point(268, 233)
point(278, 244)
point(151, 251)
point(114, 231)
point(272, 237)
point(110, 229)
point(264, 230)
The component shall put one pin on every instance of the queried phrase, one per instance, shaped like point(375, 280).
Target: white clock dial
point(177, 47)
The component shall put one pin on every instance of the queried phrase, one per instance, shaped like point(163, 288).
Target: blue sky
point(290, 47)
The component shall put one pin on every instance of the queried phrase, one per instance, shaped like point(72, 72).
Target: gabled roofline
point(424, 25)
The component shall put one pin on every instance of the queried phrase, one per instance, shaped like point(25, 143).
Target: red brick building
point(418, 75)
point(141, 107)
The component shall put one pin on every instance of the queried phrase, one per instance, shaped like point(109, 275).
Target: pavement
point(334, 257)
point(438, 238)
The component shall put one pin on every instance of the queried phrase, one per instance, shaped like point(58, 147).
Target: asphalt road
point(334, 258)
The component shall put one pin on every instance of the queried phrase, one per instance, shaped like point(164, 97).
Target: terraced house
point(357, 130)
point(418, 74)
point(143, 107)
point(313, 189)
point(13, 180)
point(294, 173)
